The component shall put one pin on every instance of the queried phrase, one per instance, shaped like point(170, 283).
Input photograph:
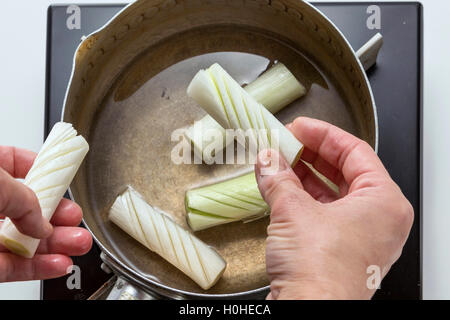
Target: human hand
point(20, 204)
point(319, 243)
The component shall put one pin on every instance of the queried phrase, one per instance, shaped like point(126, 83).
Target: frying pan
point(127, 94)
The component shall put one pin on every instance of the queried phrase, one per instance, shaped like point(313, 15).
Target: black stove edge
point(47, 70)
point(420, 99)
point(47, 95)
point(47, 55)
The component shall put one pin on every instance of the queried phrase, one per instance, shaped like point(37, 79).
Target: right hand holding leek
point(321, 244)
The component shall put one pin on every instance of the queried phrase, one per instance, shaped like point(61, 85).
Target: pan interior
point(130, 140)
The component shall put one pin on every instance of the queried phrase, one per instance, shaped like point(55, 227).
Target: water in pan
point(130, 143)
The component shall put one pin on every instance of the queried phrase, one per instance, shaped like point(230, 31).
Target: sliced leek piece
point(274, 89)
point(231, 200)
point(199, 221)
point(50, 176)
point(203, 214)
point(233, 108)
point(160, 234)
point(199, 134)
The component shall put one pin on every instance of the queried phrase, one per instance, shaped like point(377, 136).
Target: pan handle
point(124, 288)
point(368, 53)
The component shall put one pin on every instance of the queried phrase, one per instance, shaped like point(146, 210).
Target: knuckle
point(404, 216)
point(297, 121)
point(6, 269)
point(285, 207)
point(364, 144)
point(285, 201)
point(408, 212)
point(31, 203)
point(4, 197)
point(16, 199)
point(275, 183)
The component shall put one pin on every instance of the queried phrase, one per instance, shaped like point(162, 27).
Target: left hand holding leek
point(62, 236)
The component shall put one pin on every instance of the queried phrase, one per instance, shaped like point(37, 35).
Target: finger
point(17, 162)
point(326, 169)
point(312, 184)
point(21, 205)
point(343, 151)
point(41, 267)
point(332, 173)
point(70, 241)
point(276, 180)
point(68, 213)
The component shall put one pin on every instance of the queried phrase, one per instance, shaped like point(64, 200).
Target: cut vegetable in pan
point(231, 200)
point(199, 221)
point(233, 108)
point(160, 234)
point(50, 176)
point(274, 89)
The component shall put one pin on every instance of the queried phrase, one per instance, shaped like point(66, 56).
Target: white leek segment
point(233, 108)
point(200, 136)
point(231, 200)
point(200, 221)
point(160, 234)
point(50, 176)
point(274, 89)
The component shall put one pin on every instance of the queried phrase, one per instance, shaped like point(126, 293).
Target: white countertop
point(22, 95)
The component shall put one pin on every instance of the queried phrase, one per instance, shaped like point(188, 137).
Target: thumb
point(278, 183)
point(20, 204)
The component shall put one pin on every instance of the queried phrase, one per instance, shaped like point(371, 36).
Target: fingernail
point(271, 163)
point(289, 126)
point(69, 269)
point(264, 158)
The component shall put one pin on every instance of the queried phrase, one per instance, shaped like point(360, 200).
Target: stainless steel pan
point(128, 93)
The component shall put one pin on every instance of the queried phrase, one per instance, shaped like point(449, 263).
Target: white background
point(22, 95)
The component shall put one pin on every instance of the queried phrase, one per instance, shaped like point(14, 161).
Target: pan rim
point(170, 291)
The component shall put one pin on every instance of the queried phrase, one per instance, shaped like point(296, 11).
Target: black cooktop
point(397, 86)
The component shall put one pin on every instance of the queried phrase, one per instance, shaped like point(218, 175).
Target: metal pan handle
point(124, 289)
point(368, 53)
